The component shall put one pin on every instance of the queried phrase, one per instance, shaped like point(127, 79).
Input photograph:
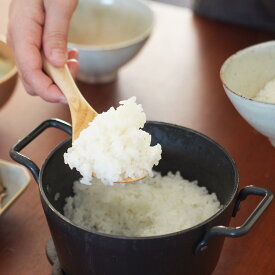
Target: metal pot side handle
point(239, 231)
point(21, 144)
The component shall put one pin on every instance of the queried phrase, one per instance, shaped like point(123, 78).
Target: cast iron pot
point(192, 251)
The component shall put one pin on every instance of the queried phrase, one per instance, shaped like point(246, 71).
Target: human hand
point(36, 26)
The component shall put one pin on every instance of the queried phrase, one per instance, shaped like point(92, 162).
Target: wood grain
point(81, 111)
point(176, 79)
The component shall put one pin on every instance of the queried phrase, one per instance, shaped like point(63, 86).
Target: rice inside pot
point(153, 206)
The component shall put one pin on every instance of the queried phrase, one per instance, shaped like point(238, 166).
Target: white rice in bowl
point(267, 93)
point(153, 206)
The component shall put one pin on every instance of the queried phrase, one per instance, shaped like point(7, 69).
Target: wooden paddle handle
point(81, 112)
point(63, 79)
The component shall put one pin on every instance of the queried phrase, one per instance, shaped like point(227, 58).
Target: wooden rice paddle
point(81, 112)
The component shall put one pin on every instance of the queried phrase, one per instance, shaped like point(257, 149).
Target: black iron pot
point(192, 251)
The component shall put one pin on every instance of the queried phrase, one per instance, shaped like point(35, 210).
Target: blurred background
point(182, 3)
point(255, 13)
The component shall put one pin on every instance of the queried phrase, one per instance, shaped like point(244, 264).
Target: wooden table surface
point(176, 79)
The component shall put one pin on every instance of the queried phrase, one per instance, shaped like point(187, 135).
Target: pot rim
point(121, 237)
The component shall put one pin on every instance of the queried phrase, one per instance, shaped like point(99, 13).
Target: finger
point(72, 62)
point(58, 15)
point(24, 36)
point(52, 93)
point(73, 66)
point(37, 83)
point(73, 54)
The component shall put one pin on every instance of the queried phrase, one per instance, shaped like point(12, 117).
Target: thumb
point(57, 19)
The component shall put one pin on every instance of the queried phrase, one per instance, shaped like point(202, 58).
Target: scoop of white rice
point(153, 206)
point(267, 93)
point(114, 147)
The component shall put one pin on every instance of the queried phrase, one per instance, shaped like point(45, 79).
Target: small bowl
point(15, 179)
point(108, 33)
point(243, 75)
point(8, 72)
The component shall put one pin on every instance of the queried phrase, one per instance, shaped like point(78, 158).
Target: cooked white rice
point(114, 147)
point(153, 206)
point(267, 93)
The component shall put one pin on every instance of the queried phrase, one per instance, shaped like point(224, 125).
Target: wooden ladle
point(81, 112)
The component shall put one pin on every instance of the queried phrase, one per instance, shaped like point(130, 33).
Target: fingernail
point(63, 100)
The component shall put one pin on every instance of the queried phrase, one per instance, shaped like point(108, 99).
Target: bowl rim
point(198, 226)
point(13, 71)
point(235, 55)
point(123, 44)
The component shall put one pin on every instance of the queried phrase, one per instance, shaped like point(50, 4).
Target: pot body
point(84, 252)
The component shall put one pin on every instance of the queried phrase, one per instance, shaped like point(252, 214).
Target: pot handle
point(239, 231)
point(21, 144)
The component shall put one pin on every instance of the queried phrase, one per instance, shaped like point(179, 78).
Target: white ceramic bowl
point(108, 33)
point(8, 72)
point(243, 75)
point(15, 179)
